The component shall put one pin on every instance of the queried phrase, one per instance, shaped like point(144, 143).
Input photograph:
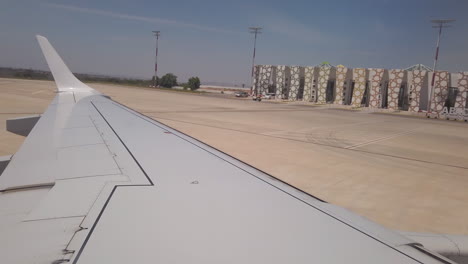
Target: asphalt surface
point(404, 173)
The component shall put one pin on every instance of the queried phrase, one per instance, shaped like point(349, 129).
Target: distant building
point(395, 89)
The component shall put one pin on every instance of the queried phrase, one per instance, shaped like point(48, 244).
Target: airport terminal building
point(394, 89)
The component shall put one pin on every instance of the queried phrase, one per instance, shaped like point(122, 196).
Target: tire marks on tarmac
point(350, 148)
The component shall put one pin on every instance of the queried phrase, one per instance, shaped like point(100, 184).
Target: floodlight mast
point(255, 31)
point(156, 34)
point(438, 23)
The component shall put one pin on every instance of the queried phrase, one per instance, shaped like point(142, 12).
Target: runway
point(404, 173)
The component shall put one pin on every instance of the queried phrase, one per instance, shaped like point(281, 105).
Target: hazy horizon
point(210, 39)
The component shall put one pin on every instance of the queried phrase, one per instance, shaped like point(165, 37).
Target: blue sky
point(210, 39)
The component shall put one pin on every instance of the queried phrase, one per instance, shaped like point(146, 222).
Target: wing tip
point(41, 38)
point(64, 78)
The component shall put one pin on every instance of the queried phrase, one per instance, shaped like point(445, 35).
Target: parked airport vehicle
point(257, 98)
point(241, 94)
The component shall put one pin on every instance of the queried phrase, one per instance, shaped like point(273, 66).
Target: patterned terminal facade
point(309, 76)
point(395, 81)
point(295, 81)
point(376, 78)
point(440, 91)
point(394, 89)
point(359, 76)
point(265, 79)
point(280, 81)
point(462, 96)
point(341, 83)
point(324, 76)
point(416, 88)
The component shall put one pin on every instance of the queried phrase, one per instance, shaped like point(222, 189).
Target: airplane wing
point(97, 182)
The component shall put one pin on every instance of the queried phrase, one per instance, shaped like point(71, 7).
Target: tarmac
point(406, 173)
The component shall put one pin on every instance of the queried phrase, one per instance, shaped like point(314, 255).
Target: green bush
point(169, 80)
point(194, 83)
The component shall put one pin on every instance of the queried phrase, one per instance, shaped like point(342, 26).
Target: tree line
point(168, 80)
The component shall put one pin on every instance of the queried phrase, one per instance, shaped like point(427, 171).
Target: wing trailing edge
point(64, 78)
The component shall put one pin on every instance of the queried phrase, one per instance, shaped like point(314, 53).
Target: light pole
point(438, 23)
point(255, 31)
point(156, 34)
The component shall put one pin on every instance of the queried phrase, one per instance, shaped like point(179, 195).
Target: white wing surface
point(96, 182)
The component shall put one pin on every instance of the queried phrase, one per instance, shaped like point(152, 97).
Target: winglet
point(64, 78)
